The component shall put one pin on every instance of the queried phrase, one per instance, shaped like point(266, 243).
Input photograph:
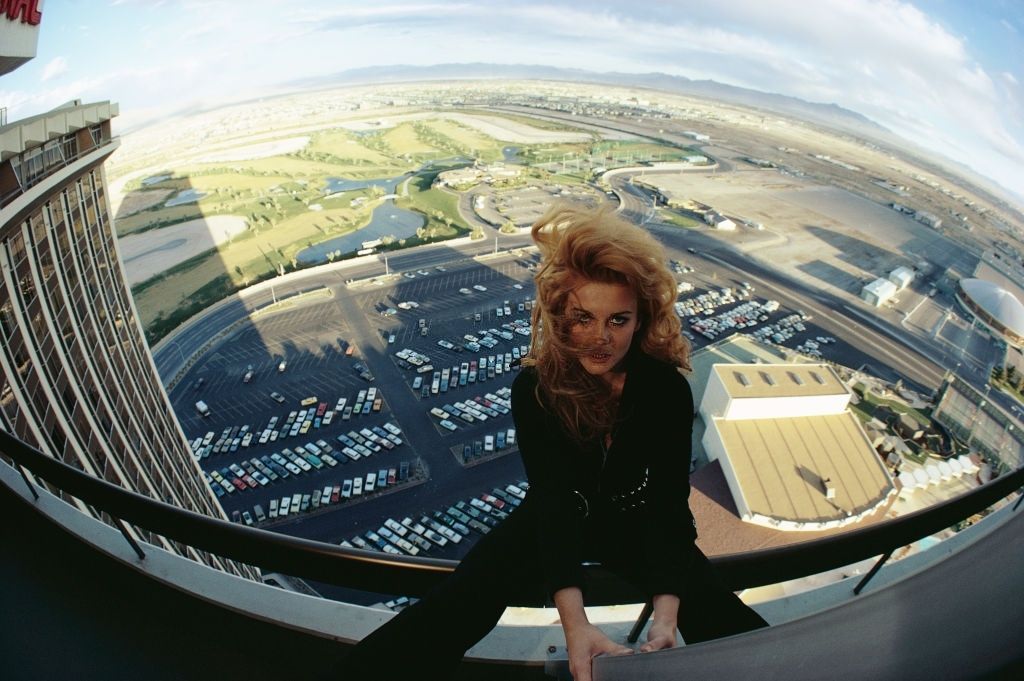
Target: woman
point(603, 417)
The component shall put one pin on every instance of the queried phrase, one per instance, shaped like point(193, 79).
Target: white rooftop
point(997, 301)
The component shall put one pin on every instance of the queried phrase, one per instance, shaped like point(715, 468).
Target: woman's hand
point(660, 636)
point(583, 639)
point(585, 642)
point(662, 633)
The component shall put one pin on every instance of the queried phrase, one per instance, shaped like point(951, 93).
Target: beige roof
point(780, 465)
point(721, 531)
point(781, 380)
point(737, 348)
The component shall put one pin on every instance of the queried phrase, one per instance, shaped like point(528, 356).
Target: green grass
point(673, 218)
point(435, 205)
point(346, 148)
point(273, 195)
point(1008, 389)
point(403, 140)
point(873, 402)
point(467, 139)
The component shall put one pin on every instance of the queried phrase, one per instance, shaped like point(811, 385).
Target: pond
point(511, 155)
point(342, 184)
point(186, 196)
point(155, 179)
point(387, 220)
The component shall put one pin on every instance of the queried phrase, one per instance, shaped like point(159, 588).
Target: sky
point(945, 74)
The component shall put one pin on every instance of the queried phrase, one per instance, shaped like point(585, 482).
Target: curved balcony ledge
point(920, 614)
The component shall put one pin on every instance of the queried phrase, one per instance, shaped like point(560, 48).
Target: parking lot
point(313, 341)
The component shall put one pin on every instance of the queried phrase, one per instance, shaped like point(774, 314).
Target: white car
point(449, 425)
point(479, 287)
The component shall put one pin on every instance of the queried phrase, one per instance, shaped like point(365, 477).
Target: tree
point(477, 233)
point(508, 228)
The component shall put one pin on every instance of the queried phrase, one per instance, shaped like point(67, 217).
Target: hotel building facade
point(77, 380)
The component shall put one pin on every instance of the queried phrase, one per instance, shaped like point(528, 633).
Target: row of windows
point(34, 164)
point(89, 312)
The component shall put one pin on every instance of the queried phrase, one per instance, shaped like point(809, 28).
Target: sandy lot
point(493, 126)
point(821, 234)
point(152, 252)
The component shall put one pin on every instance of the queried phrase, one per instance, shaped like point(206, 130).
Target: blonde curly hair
point(579, 245)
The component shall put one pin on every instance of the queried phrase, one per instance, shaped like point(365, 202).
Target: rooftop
point(779, 467)
point(26, 133)
point(1002, 305)
point(779, 380)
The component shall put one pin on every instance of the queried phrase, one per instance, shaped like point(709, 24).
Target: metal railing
point(382, 573)
point(51, 170)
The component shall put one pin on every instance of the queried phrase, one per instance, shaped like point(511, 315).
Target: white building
point(901, 276)
point(745, 391)
point(719, 221)
point(794, 457)
point(930, 219)
point(878, 292)
point(459, 177)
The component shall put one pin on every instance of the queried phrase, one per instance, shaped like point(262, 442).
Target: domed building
point(994, 308)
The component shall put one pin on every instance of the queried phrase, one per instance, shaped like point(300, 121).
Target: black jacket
point(637, 496)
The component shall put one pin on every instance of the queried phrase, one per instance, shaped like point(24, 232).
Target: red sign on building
point(28, 10)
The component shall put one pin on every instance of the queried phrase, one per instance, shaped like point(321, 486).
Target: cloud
point(886, 59)
point(55, 68)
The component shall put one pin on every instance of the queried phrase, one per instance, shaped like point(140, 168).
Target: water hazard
point(387, 220)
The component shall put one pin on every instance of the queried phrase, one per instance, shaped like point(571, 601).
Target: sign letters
point(28, 10)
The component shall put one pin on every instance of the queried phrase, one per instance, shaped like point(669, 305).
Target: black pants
point(429, 638)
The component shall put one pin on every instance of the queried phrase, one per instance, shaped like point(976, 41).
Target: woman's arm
point(662, 633)
point(583, 639)
point(546, 455)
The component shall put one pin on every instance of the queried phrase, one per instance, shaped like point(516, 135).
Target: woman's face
point(602, 319)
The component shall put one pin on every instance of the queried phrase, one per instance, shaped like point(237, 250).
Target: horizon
point(942, 76)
